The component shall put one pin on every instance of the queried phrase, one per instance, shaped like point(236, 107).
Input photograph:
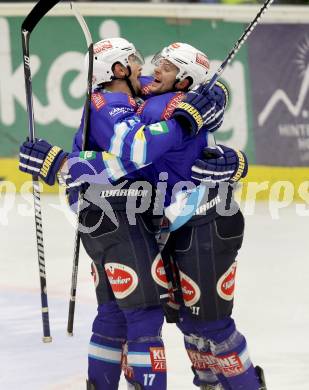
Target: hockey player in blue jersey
point(125, 144)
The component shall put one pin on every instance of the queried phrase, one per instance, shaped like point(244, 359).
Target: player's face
point(136, 71)
point(164, 77)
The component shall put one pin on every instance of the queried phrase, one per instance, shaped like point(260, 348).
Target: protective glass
point(161, 62)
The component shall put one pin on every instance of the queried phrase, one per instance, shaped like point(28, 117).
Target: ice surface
point(271, 305)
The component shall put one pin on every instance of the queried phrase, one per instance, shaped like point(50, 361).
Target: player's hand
point(221, 96)
point(41, 159)
point(196, 110)
point(219, 164)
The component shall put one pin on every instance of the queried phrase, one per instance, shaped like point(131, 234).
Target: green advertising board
point(57, 62)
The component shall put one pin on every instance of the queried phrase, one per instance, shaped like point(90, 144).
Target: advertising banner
point(279, 72)
point(57, 50)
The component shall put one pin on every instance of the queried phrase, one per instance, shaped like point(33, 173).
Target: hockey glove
point(41, 159)
point(220, 163)
point(196, 110)
point(221, 96)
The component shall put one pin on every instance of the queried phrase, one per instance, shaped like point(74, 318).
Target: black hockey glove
point(219, 164)
point(41, 159)
point(196, 110)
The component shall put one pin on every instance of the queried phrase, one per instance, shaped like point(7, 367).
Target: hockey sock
point(227, 356)
point(146, 355)
point(105, 348)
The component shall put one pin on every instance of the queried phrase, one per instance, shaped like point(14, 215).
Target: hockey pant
point(218, 353)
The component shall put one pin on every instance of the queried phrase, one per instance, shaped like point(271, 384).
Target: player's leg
point(146, 365)
point(109, 326)
point(207, 263)
point(133, 267)
point(223, 350)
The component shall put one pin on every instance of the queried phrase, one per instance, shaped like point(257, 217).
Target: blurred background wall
point(268, 113)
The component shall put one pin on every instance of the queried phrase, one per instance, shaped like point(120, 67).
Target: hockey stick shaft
point(28, 25)
point(239, 43)
point(88, 37)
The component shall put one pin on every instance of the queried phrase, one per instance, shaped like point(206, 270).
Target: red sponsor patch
point(158, 272)
point(226, 283)
point(141, 108)
point(172, 104)
point(157, 357)
point(229, 365)
point(95, 274)
point(102, 46)
point(190, 290)
point(146, 90)
point(202, 60)
point(98, 101)
point(132, 102)
point(201, 360)
point(122, 279)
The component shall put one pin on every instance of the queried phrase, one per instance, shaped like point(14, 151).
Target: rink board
point(262, 182)
point(267, 114)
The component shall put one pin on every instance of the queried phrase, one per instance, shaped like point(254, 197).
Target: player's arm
point(119, 131)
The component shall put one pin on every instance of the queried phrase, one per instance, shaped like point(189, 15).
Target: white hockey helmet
point(106, 53)
point(190, 62)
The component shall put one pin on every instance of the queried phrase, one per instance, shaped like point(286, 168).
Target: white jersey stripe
point(139, 359)
point(100, 352)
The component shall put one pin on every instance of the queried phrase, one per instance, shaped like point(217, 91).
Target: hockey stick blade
point(37, 13)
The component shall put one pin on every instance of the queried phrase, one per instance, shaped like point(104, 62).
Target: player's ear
point(182, 85)
point(119, 70)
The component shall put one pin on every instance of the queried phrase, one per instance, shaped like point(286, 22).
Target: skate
point(261, 377)
point(134, 386)
point(212, 387)
point(90, 386)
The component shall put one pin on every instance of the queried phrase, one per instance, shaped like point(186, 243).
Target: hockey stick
point(195, 196)
point(88, 37)
point(28, 25)
point(239, 43)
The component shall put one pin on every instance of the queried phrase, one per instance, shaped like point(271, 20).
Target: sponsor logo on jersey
point(158, 128)
point(175, 45)
point(202, 60)
point(229, 365)
point(122, 279)
point(119, 111)
point(226, 283)
point(102, 46)
point(87, 155)
point(98, 101)
point(157, 357)
point(190, 290)
point(172, 104)
point(95, 274)
point(158, 272)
